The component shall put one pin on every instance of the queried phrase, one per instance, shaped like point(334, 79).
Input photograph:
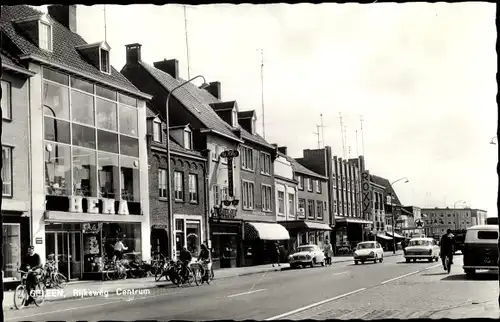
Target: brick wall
point(313, 195)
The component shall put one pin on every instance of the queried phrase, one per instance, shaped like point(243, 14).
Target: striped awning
point(265, 231)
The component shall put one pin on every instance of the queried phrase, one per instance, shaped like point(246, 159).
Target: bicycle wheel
point(60, 281)
point(191, 277)
point(197, 276)
point(39, 293)
point(20, 297)
point(159, 273)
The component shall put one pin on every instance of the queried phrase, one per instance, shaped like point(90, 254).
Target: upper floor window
point(246, 156)
point(220, 194)
point(310, 209)
point(309, 184)
point(319, 209)
point(222, 149)
point(302, 208)
point(235, 118)
point(291, 204)
point(318, 185)
point(179, 186)
point(281, 202)
point(6, 101)
point(265, 163)
point(300, 179)
point(162, 183)
point(248, 195)
point(266, 198)
point(7, 171)
point(45, 36)
point(104, 61)
point(193, 188)
point(254, 125)
point(188, 139)
point(157, 137)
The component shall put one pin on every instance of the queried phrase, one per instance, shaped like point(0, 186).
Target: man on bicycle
point(185, 258)
point(204, 258)
point(447, 243)
point(33, 265)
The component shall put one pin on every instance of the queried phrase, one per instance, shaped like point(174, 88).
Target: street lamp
point(394, 214)
point(455, 212)
point(169, 181)
point(495, 138)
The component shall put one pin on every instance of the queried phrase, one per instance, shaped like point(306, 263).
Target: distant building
point(438, 220)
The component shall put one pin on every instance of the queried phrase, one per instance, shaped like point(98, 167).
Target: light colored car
point(368, 251)
point(307, 255)
point(480, 249)
point(422, 248)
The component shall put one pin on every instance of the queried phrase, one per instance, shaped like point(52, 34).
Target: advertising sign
point(230, 185)
point(366, 192)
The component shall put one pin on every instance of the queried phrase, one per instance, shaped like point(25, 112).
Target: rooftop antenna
point(357, 150)
point(105, 26)
point(362, 136)
point(262, 90)
point(345, 140)
point(187, 42)
point(349, 152)
point(322, 130)
point(342, 134)
point(317, 134)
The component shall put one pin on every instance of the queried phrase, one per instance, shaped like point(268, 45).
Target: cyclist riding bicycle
point(33, 265)
point(185, 258)
point(205, 259)
point(447, 244)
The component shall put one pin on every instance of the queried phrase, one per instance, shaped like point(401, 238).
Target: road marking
point(339, 273)
point(428, 268)
point(396, 278)
point(249, 292)
point(278, 317)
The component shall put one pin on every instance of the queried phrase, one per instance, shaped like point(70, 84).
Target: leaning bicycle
point(22, 296)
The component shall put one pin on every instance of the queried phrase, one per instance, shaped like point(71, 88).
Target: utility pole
point(342, 134)
point(105, 26)
point(322, 130)
point(345, 140)
point(187, 42)
point(362, 135)
point(317, 134)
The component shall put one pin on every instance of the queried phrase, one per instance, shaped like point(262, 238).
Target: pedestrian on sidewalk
point(328, 250)
point(276, 254)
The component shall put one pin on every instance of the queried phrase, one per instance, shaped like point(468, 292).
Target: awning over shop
point(265, 231)
point(68, 217)
point(395, 235)
point(305, 225)
point(384, 237)
point(352, 220)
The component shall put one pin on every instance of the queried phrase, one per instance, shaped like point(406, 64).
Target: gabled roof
point(189, 97)
point(64, 53)
point(299, 168)
point(388, 188)
point(246, 114)
point(223, 106)
point(10, 63)
point(255, 138)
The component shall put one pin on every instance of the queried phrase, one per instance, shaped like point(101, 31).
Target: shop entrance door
point(66, 247)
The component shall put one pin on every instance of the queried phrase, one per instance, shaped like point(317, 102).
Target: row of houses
point(91, 154)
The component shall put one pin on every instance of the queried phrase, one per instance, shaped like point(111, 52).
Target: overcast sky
point(422, 75)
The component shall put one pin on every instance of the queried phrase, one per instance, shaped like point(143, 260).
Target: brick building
point(438, 220)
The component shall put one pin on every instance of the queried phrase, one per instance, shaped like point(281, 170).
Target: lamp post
point(455, 212)
point(394, 214)
point(169, 181)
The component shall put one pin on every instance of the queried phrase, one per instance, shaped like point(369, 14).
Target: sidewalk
point(75, 289)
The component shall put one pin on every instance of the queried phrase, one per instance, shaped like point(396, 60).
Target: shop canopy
point(305, 225)
point(384, 237)
point(351, 220)
point(395, 235)
point(265, 231)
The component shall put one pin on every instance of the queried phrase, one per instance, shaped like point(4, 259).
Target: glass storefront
point(188, 233)
point(11, 251)
point(91, 139)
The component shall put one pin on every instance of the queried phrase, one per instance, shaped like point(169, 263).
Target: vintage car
point(480, 249)
point(368, 251)
point(422, 248)
point(307, 255)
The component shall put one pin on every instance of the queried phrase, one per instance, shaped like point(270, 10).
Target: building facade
point(438, 220)
point(89, 157)
point(16, 206)
point(188, 183)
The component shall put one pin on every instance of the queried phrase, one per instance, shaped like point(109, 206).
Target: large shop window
point(11, 251)
point(88, 152)
point(188, 234)
point(7, 171)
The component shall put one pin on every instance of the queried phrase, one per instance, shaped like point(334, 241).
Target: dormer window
point(235, 118)
point(188, 139)
point(45, 35)
point(104, 60)
point(254, 125)
point(157, 137)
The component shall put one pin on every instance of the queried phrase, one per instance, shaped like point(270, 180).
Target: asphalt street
point(259, 296)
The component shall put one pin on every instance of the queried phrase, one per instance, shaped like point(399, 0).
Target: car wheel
point(470, 272)
point(356, 262)
point(293, 266)
point(323, 263)
point(381, 259)
point(376, 259)
point(414, 260)
point(362, 262)
point(431, 260)
point(313, 262)
point(407, 260)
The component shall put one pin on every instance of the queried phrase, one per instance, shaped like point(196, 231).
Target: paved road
point(256, 297)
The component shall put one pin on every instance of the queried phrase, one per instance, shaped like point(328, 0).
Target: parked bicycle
point(52, 277)
point(114, 270)
point(205, 275)
point(23, 297)
point(168, 269)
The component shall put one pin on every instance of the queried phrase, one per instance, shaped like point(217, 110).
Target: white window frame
point(157, 131)
point(309, 215)
point(188, 134)
point(243, 156)
point(305, 207)
point(266, 192)
point(310, 185)
point(178, 183)
point(50, 35)
point(104, 69)
point(281, 203)
point(7, 166)
point(193, 188)
point(248, 195)
point(188, 219)
point(234, 114)
point(162, 183)
point(300, 185)
point(215, 153)
point(319, 215)
point(6, 101)
point(254, 125)
point(265, 161)
point(317, 184)
point(291, 204)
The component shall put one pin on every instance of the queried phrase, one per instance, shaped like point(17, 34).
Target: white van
point(480, 249)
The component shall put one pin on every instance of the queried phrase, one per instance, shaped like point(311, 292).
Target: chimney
point(170, 67)
point(282, 149)
point(214, 89)
point(133, 53)
point(64, 14)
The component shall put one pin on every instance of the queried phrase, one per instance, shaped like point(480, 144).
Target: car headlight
point(356, 254)
point(290, 257)
point(372, 254)
point(308, 256)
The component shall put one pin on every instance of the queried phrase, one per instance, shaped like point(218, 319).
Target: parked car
point(480, 249)
point(307, 255)
point(368, 251)
point(422, 248)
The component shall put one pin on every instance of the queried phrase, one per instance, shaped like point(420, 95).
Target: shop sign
point(225, 213)
point(230, 155)
point(39, 240)
point(162, 226)
point(97, 205)
point(92, 228)
point(366, 192)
